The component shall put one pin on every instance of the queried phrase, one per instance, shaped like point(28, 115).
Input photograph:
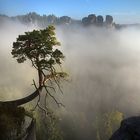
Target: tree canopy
point(39, 46)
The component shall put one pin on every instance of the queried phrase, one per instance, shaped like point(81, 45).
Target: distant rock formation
point(90, 20)
point(65, 20)
point(98, 21)
point(45, 20)
point(50, 18)
point(109, 21)
point(129, 130)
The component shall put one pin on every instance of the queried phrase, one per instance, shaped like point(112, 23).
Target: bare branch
point(58, 103)
point(34, 84)
point(38, 96)
point(51, 88)
point(38, 102)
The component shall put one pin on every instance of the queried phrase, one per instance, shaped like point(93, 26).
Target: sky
point(123, 11)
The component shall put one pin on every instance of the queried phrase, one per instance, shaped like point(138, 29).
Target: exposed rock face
point(51, 19)
point(44, 21)
point(129, 130)
point(99, 20)
point(92, 18)
point(32, 132)
point(65, 20)
point(109, 19)
point(85, 21)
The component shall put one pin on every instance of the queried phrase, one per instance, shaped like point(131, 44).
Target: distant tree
point(40, 47)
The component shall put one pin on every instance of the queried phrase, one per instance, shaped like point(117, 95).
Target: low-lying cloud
point(103, 64)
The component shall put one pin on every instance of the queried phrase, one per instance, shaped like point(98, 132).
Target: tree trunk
point(22, 100)
point(41, 77)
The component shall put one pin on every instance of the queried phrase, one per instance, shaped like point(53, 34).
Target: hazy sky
point(124, 11)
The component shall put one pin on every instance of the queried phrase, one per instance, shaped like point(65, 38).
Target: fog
point(16, 79)
point(103, 65)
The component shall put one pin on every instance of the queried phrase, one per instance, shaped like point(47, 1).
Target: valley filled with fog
point(104, 74)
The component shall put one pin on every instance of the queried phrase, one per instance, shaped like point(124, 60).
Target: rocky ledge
point(129, 129)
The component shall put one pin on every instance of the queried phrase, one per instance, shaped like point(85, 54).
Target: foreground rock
point(129, 130)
